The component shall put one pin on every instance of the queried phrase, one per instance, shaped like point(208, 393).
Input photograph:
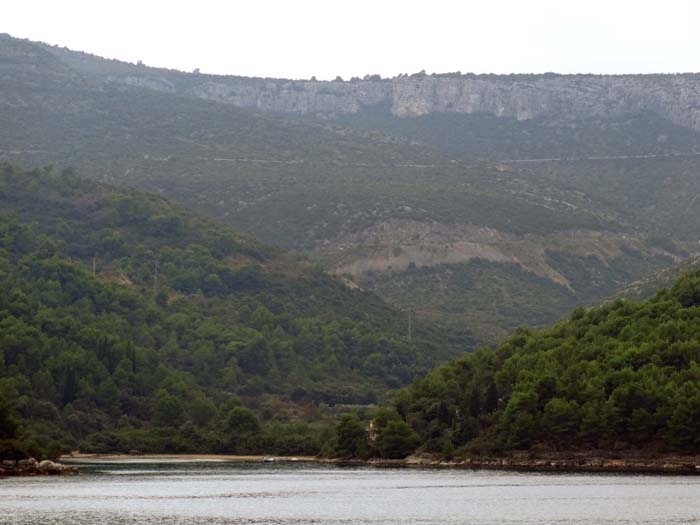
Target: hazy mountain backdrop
point(484, 202)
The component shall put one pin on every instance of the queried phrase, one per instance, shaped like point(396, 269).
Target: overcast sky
point(301, 38)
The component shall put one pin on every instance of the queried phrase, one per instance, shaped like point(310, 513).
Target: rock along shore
point(32, 467)
point(685, 465)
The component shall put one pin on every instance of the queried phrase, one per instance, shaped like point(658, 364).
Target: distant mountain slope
point(651, 284)
point(426, 206)
point(123, 316)
point(507, 139)
point(675, 98)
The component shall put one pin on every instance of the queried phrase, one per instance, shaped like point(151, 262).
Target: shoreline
point(594, 465)
point(678, 465)
point(78, 457)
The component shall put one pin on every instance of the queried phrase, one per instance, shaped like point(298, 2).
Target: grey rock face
point(153, 83)
point(50, 467)
point(30, 467)
point(675, 97)
point(293, 96)
point(27, 463)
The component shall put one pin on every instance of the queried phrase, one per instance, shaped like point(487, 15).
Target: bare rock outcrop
point(674, 97)
point(31, 467)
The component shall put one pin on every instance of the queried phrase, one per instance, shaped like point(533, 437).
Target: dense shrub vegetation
point(619, 377)
point(127, 323)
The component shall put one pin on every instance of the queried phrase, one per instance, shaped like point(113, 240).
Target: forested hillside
point(436, 213)
point(622, 377)
point(127, 322)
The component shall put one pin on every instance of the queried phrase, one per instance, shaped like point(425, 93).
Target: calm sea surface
point(188, 493)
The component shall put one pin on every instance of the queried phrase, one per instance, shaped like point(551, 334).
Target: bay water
point(142, 492)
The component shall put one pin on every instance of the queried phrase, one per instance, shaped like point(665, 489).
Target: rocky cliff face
point(675, 97)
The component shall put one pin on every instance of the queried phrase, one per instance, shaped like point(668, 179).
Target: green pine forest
point(624, 376)
point(128, 323)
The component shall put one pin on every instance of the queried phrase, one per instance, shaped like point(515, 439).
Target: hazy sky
point(301, 38)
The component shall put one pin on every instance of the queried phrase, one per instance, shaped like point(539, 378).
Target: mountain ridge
point(523, 96)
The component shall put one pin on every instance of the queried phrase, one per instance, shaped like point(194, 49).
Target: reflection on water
point(144, 493)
